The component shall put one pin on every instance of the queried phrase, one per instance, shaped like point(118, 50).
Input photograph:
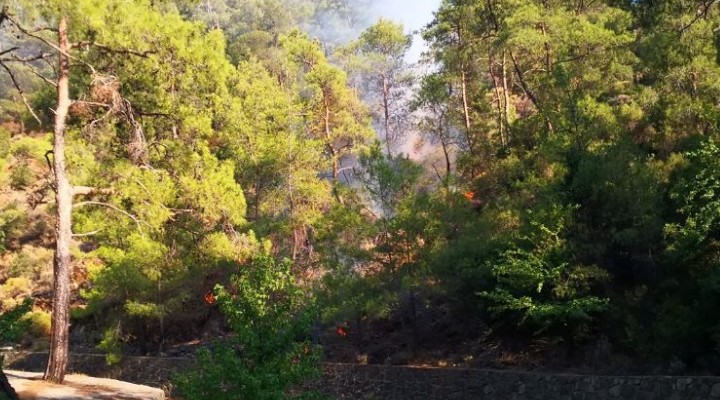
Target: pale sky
point(414, 14)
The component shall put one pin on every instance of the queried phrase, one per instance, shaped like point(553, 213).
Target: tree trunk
point(466, 108)
point(445, 148)
point(506, 93)
point(333, 153)
point(386, 113)
point(6, 389)
point(498, 102)
point(57, 365)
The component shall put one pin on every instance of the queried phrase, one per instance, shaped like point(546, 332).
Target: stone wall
point(407, 383)
point(151, 371)
point(383, 382)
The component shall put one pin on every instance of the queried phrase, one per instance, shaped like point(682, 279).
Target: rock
point(521, 389)
point(30, 386)
point(715, 391)
point(682, 384)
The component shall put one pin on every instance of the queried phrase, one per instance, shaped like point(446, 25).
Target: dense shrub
point(270, 350)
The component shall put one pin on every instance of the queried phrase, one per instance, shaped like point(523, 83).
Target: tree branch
point(50, 164)
point(89, 190)
point(523, 84)
point(143, 54)
point(95, 232)
point(137, 221)
point(10, 50)
point(93, 103)
point(26, 62)
point(15, 58)
point(42, 39)
point(22, 94)
point(702, 13)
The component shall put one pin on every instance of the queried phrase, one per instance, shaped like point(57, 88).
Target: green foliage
point(698, 203)
point(38, 323)
point(566, 171)
point(14, 291)
point(378, 69)
point(34, 263)
point(388, 180)
point(12, 220)
point(112, 344)
point(536, 281)
point(29, 148)
point(692, 249)
point(270, 351)
point(5, 142)
point(12, 323)
point(21, 177)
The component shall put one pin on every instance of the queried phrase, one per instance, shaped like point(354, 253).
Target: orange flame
point(340, 331)
point(210, 298)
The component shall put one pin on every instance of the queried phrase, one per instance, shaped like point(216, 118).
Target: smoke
point(413, 14)
point(342, 25)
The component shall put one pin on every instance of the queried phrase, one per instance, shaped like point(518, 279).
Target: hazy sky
point(414, 14)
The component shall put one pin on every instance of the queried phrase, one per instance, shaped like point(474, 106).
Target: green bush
point(112, 344)
point(12, 224)
point(4, 142)
point(21, 176)
point(270, 351)
point(12, 323)
point(539, 284)
point(38, 323)
point(13, 291)
point(30, 148)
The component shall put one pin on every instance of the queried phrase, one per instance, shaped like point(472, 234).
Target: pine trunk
point(57, 364)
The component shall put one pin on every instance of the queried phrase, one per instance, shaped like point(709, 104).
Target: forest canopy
point(551, 184)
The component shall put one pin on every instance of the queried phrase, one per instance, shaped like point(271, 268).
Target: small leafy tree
point(538, 283)
point(686, 326)
point(270, 351)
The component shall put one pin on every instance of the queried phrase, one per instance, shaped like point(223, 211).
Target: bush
point(112, 344)
point(4, 142)
point(12, 224)
point(21, 176)
point(29, 148)
point(34, 263)
point(12, 323)
point(270, 352)
point(540, 284)
point(13, 290)
point(38, 323)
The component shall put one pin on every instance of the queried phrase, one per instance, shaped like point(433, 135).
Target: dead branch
point(92, 103)
point(92, 233)
point(90, 191)
point(10, 50)
point(54, 46)
point(33, 69)
point(22, 94)
point(15, 57)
